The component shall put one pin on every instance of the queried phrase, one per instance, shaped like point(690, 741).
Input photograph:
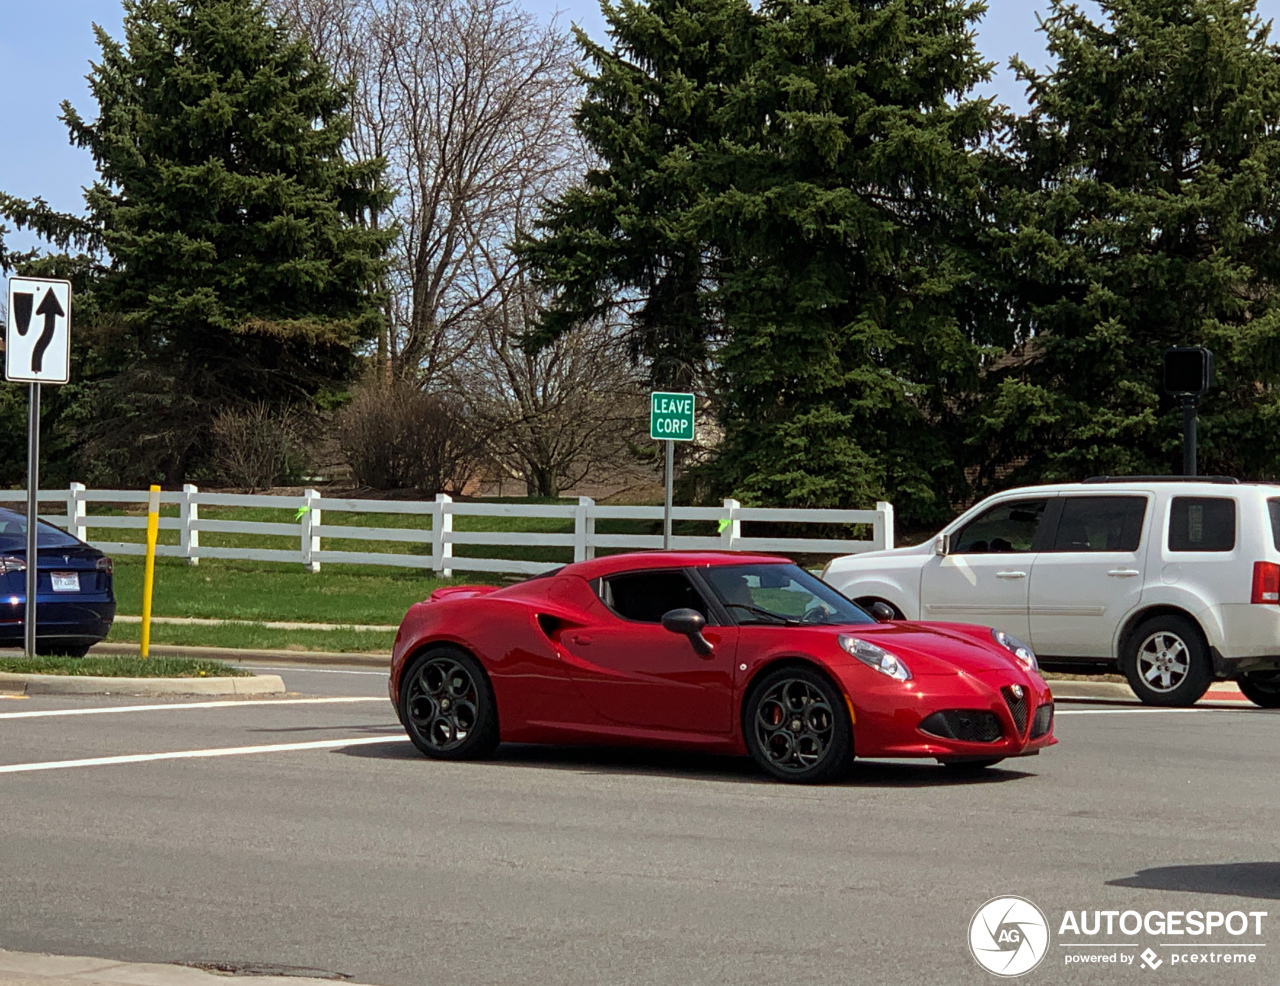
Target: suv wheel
point(1261, 688)
point(1167, 662)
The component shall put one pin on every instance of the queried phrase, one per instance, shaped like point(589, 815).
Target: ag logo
point(1008, 936)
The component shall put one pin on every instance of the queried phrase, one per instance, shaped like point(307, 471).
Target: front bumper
point(888, 720)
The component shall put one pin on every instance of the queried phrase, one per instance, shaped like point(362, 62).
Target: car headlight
point(1025, 655)
point(876, 657)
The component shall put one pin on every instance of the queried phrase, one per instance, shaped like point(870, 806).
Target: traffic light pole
point(1189, 436)
point(33, 515)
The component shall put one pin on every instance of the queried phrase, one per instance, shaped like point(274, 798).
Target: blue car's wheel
point(447, 706)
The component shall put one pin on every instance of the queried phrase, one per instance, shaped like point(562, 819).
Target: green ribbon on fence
point(302, 512)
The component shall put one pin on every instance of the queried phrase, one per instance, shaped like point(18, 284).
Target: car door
point(985, 577)
point(635, 672)
point(1090, 575)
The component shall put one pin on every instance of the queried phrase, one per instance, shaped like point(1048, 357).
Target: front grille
point(1043, 721)
point(1017, 708)
point(967, 725)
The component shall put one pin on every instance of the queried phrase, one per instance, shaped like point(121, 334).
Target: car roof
point(640, 561)
point(1111, 485)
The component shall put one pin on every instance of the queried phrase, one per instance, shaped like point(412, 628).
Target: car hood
point(938, 648)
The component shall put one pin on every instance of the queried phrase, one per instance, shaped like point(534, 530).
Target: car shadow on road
point(702, 766)
point(1234, 879)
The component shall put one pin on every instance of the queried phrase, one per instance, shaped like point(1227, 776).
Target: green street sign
point(671, 417)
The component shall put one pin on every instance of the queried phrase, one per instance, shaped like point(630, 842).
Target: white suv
point(1176, 580)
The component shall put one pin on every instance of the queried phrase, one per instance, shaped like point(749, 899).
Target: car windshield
point(13, 534)
point(783, 594)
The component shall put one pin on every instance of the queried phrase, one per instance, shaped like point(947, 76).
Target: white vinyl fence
point(434, 544)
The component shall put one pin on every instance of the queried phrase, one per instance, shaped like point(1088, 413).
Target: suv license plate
point(66, 581)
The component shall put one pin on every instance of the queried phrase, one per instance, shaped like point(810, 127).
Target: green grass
point(258, 638)
point(121, 667)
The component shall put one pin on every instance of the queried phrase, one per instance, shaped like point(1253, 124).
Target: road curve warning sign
point(37, 338)
point(671, 417)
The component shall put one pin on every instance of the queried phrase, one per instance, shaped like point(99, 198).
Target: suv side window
point(1100, 523)
point(646, 596)
point(1202, 523)
point(1006, 527)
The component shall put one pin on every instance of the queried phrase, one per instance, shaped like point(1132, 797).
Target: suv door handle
point(1123, 573)
point(1011, 575)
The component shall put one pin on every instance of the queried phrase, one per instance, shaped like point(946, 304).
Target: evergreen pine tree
point(1144, 215)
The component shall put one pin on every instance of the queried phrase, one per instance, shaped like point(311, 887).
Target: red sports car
point(721, 652)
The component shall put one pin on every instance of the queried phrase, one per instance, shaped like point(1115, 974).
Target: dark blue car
point(75, 604)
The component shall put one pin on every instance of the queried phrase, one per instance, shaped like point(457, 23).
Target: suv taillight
point(1266, 582)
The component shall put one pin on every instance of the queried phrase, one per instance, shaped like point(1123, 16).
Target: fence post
point(188, 515)
point(731, 532)
point(883, 536)
point(441, 546)
point(584, 529)
point(311, 519)
point(76, 511)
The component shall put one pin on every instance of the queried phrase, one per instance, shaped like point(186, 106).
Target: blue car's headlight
point(876, 657)
point(1025, 655)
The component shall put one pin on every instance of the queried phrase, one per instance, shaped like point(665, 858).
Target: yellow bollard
point(149, 573)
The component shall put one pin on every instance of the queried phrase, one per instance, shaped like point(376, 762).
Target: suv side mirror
point(688, 623)
point(942, 546)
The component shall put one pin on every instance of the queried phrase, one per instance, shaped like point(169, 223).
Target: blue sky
point(45, 50)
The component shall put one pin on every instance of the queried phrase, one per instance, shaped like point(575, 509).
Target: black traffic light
point(1188, 372)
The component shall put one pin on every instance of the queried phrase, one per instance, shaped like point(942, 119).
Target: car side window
point(646, 596)
point(1007, 527)
point(1202, 523)
point(1100, 523)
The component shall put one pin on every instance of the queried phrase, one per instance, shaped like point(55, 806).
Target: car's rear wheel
point(1167, 662)
point(1261, 688)
point(447, 705)
point(797, 727)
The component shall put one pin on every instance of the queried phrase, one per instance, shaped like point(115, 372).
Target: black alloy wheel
point(1166, 661)
point(797, 727)
point(1262, 688)
point(447, 706)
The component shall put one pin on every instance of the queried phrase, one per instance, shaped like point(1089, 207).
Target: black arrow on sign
point(22, 302)
point(51, 311)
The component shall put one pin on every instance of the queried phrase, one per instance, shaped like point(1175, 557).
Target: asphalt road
point(587, 867)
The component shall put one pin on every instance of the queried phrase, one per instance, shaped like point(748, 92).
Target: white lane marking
point(234, 703)
point(1121, 712)
point(228, 751)
point(294, 670)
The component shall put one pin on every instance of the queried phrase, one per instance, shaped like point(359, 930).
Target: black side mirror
point(883, 612)
point(688, 623)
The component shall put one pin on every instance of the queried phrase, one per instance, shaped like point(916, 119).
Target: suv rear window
point(1202, 523)
point(1274, 507)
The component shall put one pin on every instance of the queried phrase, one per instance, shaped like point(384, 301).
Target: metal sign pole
point(1188, 436)
point(33, 514)
point(666, 510)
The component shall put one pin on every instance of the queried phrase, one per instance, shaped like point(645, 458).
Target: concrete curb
point(67, 684)
point(234, 655)
point(1092, 691)
point(30, 969)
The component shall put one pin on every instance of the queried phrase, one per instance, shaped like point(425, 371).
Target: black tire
point(1167, 662)
point(447, 705)
point(1262, 688)
point(62, 650)
point(797, 726)
point(971, 766)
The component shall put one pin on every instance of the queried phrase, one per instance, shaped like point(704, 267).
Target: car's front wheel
point(797, 727)
point(1261, 688)
point(1167, 662)
point(448, 707)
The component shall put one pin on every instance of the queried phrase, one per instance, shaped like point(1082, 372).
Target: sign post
point(1188, 375)
point(670, 421)
point(35, 354)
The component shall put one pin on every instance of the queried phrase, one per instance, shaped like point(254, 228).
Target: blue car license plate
point(66, 581)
